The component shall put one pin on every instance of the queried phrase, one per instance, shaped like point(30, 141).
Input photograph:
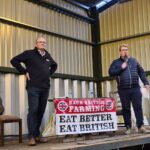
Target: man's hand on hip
point(27, 76)
point(147, 87)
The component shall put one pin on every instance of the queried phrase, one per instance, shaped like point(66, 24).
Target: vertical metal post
point(96, 51)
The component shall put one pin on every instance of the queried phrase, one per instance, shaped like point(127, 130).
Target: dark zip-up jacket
point(39, 67)
point(128, 77)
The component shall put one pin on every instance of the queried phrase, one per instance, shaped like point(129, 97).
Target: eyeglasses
point(124, 49)
point(41, 42)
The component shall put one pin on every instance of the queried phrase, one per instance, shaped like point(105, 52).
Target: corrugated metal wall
point(123, 20)
point(15, 39)
point(73, 57)
point(38, 16)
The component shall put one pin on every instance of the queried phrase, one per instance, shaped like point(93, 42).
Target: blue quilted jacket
point(128, 77)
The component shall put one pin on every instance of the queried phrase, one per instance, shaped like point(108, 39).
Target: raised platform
point(102, 141)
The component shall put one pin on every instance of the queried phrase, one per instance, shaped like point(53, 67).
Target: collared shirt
point(42, 53)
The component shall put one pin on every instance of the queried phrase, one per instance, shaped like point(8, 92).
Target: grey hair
point(39, 38)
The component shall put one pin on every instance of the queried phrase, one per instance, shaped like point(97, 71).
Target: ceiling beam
point(95, 3)
point(61, 10)
point(78, 4)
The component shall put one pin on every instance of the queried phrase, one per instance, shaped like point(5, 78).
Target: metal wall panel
point(125, 19)
point(41, 17)
point(7, 34)
point(10, 5)
point(21, 98)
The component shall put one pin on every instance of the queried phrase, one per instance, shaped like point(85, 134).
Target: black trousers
point(37, 100)
point(134, 96)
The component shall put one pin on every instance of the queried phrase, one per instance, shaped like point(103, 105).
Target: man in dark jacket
point(127, 72)
point(39, 65)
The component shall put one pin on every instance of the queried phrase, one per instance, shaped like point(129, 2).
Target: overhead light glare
point(102, 3)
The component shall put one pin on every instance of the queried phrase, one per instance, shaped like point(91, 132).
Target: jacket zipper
point(129, 75)
point(119, 79)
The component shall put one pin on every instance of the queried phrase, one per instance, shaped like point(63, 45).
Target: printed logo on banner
point(109, 105)
point(62, 106)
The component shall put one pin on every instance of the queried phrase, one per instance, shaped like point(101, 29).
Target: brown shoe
point(32, 142)
point(41, 140)
point(128, 131)
point(142, 129)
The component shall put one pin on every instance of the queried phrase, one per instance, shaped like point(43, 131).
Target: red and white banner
point(85, 115)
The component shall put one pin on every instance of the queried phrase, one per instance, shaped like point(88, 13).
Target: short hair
point(39, 38)
point(122, 45)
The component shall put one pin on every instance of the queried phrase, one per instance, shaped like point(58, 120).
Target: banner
point(85, 115)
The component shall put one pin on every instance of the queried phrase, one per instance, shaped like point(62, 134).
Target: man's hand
point(124, 65)
point(27, 76)
point(147, 87)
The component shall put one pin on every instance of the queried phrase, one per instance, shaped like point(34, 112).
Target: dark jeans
point(127, 97)
point(37, 100)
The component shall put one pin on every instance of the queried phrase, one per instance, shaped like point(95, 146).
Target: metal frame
point(6, 70)
point(125, 38)
point(78, 4)
point(96, 51)
point(108, 78)
point(62, 10)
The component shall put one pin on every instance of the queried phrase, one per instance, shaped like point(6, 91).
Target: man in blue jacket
point(127, 71)
point(39, 65)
